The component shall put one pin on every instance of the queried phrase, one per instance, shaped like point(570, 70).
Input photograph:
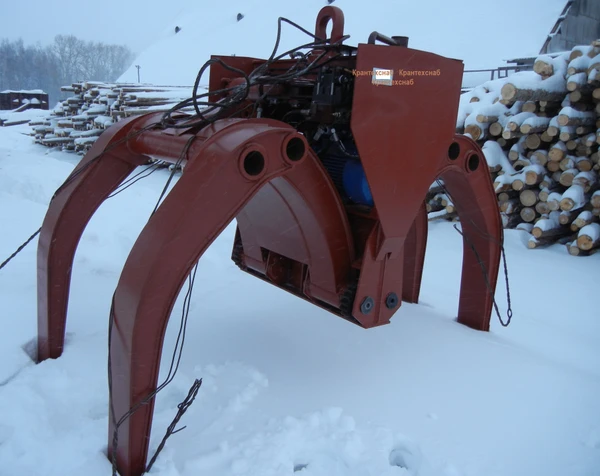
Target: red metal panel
point(301, 216)
point(378, 279)
point(414, 257)
point(403, 131)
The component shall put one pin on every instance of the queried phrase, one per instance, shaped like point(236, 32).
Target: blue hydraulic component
point(355, 183)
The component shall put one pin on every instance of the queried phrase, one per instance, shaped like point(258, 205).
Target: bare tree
point(67, 60)
point(70, 53)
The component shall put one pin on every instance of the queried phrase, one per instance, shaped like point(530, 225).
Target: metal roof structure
point(578, 24)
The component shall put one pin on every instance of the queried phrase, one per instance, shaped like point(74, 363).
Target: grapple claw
point(98, 174)
point(323, 160)
point(467, 179)
point(225, 170)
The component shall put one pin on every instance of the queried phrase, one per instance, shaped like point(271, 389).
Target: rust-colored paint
point(67, 216)
point(294, 231)
point(168, 247)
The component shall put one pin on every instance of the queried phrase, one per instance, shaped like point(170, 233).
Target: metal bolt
point(367, 305)
point(391, 301)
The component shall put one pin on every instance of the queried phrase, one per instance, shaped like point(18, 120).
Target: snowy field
point(288, 386)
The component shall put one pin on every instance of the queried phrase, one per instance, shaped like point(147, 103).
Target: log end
point(508, 92)
point(562, 120)
point(567, 204)
point(585, 243)
point(475, 131)
point(518, 185)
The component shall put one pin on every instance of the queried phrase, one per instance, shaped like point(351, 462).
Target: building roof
point(578, 24)
point(527, 59)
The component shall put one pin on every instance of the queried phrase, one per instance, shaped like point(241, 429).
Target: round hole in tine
point(295, 149)
point(473, 162)
point(254, 163)
point(454, 151)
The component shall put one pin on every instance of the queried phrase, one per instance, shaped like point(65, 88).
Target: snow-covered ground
point(288, 386)
point(28, 114)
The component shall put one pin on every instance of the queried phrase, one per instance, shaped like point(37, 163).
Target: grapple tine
point(467, 178)
point(97, 175)
point(224, 172)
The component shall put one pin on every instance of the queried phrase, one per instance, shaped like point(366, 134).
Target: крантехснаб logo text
point(383, 76)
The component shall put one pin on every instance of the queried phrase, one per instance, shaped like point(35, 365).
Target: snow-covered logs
point(540, 134)
point(78, 121)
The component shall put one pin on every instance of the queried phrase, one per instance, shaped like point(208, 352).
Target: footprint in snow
point(407, 455)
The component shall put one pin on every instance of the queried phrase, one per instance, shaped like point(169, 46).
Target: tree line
point(68, 59)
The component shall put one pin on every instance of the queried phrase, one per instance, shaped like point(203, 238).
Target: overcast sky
point(41, 20)
point(140, 23)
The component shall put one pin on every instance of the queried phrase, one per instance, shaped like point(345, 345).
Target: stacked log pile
point(540, 132)
point(77, 122)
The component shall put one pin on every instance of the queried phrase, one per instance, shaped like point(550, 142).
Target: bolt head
point(391, 301)
point(367, 305)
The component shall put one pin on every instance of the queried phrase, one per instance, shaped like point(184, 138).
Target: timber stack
point(540, 132)
point(77, 122)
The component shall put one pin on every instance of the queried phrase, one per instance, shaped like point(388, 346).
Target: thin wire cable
point(68, 181)
point(175, 362)
point(19, 249)
point(181, 409)
point(115, 144)
point(509, 312)
point(180, 160)
point(139, 176)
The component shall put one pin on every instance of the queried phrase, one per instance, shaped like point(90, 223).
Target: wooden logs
point(589, 237)
point(76, 122)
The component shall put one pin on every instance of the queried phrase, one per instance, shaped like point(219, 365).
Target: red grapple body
point(296, 229)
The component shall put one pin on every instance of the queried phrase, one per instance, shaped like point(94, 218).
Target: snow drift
point(462, 31)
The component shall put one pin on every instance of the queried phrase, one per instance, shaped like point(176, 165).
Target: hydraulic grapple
point(323, 159)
